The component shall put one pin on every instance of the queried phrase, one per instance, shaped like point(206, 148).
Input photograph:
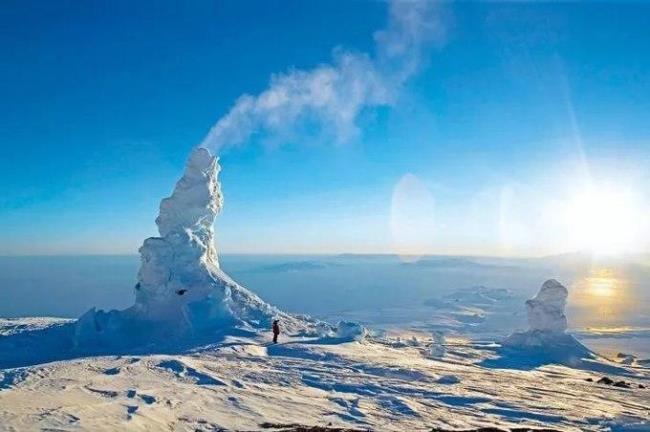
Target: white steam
point(332, 96)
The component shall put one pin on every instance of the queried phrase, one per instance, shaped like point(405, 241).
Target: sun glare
point(602, 286)
point(604, 221)
point(602, 297)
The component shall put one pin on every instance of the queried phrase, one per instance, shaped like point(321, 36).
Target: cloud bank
point(332, 96)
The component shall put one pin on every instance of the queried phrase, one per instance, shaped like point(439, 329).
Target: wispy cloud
point(332, 96)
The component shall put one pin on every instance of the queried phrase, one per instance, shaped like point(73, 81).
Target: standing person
point(276, 330)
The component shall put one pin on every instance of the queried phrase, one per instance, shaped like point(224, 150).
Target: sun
point(602, 284)
point(604, 220)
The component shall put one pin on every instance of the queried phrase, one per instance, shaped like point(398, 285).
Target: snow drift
point(180, 289)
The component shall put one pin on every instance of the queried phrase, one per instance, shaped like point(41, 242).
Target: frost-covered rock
point(181, 289)
point(437, 349)
point(546, 309)
point(181, 266)
point(324, 330)
point(350, 330)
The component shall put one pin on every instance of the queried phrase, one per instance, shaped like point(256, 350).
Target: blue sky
point(522, 121)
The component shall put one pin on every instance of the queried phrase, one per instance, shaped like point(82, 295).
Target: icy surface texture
point(350, 330)
point(181, 266)
point(180, 289)
point(180, 278)
point(437, 348)
point(546, 309)
point(547, 322)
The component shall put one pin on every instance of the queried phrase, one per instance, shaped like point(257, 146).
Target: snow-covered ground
point(390, 382)
point(387, 382)
point(448, 342)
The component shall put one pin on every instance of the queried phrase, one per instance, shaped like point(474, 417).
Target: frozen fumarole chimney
point(180, 266)
point(180, 286)
point(546, 309)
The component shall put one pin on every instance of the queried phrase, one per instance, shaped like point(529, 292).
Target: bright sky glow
point(603, 296)
point(412, 219)
point(605, 220)
point(521, 129)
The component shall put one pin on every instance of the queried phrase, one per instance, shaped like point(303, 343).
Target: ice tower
point(180, 288)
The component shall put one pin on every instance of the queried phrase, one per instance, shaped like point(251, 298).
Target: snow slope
point(376, 383)
point(192, 354)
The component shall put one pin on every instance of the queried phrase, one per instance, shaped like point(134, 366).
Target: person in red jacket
point(276, 330)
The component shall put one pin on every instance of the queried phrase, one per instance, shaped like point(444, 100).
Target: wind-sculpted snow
point(437, 349)
point(375, 384)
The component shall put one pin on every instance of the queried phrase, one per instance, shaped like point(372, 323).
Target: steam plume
point(332, 96)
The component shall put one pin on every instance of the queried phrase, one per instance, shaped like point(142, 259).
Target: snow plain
point(193, 352)
point(381, 383)
point(386, 382)
point(389, 380)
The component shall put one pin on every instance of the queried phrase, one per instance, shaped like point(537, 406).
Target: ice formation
point(437, 349)
point(180, 287)
point(180, 269)
point(546, 309)
point(547, 326)
point(350, 330)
